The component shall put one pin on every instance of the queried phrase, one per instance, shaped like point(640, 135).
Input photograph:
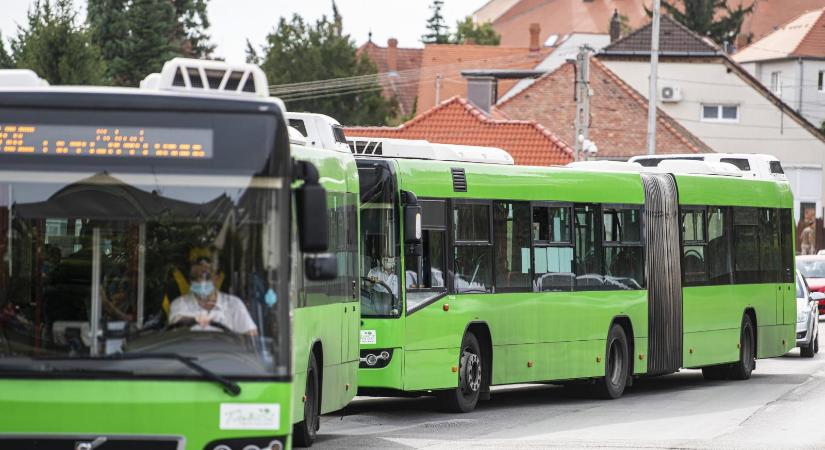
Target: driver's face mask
point(202, 285)
point(388, 263)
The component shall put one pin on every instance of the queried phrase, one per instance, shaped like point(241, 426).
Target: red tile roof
point(408, 62)
point(802, 37)
point(443, 64)
point(618, 114)
point(457, 121)
point(567, 16)
point(674, 38)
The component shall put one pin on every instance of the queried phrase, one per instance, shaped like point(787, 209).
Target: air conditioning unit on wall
point(670, 94)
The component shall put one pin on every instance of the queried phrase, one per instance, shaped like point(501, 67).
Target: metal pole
point(95, 313)
point(654, 62)
point(582, 100)
point(141, 281)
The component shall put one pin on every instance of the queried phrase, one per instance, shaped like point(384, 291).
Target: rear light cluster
point(375, 358)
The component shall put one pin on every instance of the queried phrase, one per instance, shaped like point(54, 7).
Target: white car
point(807, 318)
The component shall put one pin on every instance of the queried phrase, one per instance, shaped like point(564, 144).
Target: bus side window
point(553, 260)
point(472, 251)
point(624, 266)
point(587, 242)
point(718, 252)
point(511, 235)
point(746, 245)
point(694, 246)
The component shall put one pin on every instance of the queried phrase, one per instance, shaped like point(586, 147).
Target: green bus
point(170, 266)
point(584, 277)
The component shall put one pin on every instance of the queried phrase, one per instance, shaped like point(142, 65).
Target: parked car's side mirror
point(816, 297)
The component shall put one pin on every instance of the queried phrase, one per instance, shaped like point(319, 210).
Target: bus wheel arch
point(481, 330)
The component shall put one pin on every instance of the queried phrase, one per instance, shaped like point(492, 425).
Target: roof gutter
point(647, 53)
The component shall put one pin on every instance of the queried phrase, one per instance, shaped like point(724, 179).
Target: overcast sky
point(234, 21)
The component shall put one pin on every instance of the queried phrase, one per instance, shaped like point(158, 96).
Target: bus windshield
point(380, 295)
point(95, 264)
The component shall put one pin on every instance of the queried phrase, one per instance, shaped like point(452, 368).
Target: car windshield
point(811, 268)
point(99, 264)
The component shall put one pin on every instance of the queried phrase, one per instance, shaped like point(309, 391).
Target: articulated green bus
point(168, 271)
point(582, 277)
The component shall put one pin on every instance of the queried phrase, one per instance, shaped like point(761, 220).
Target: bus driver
point(204, 303)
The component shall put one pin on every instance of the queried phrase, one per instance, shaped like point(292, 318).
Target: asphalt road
point(781, 406)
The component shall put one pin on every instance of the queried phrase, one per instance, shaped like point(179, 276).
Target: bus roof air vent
point(214, 77)
point(421, 149)
point(459, 179)
point(20, 78)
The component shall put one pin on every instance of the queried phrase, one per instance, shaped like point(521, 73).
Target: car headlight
point(802, 315)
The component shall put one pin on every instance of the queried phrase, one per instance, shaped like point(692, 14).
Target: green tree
point(6, 61)
point(436, 26)
point(138, 36)
point(704, 18)
point(297, 51)
point(58, 49)
point(467, 32)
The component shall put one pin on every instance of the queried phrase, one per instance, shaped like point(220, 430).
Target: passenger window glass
point(511, 229)
point(718, 253)
point(693, 226)
point(746, 245)
point(694, 264)
point(472, 223)
point(587, 265)
point(770, 257)
point(554, 268)
point(551, 224)
point(473, 269)
point(622, 225)
point(425, 273)
point(624, 267)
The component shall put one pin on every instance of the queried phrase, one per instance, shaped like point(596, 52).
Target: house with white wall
point(723, 104)
point(791, 62)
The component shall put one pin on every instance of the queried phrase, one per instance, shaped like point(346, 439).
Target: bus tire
point(305, 431)
point(465, 397)
point(616, 364)
point(741, 370)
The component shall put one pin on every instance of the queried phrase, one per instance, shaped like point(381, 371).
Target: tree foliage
point(704, 18)
point(138, 36)
point(297, 51)
point(6, 61)
point(436, 26)
point(54, 46)
point(469, 32)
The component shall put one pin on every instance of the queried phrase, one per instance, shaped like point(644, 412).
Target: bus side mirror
point(320, 267)
point(313, 221)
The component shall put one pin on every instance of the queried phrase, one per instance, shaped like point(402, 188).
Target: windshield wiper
point(230, 387)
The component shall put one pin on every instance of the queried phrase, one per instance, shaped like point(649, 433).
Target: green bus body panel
point(562, 335)
point(334, 325)
point(488, 181)
point(724, 191)
point(190, 409)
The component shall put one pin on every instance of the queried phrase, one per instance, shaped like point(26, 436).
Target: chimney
point(615, 26)
point(535, 29)
point(392, 54)
point(482, 91)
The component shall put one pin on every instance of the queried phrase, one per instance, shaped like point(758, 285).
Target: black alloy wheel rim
point(471, 368)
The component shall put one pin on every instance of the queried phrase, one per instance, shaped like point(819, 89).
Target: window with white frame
point(720, 113)
point(776, 83)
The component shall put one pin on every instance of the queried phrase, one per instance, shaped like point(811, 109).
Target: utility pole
point(654, 62)
point(582, 100)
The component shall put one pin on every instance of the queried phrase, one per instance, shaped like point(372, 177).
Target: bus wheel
point(741, 370)
point(616, 365)
point(470, 372)
point(305, 432)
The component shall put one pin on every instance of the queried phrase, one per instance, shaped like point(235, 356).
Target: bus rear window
point(776, 167)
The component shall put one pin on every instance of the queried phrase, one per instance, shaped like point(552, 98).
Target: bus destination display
point(124, 142)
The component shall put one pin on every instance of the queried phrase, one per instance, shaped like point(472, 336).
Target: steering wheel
point(190, 322)
point(380, 283)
